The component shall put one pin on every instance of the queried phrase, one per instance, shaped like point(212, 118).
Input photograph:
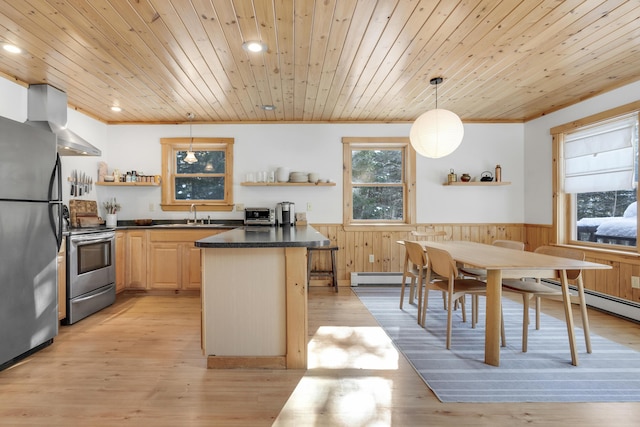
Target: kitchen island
point(254, 296)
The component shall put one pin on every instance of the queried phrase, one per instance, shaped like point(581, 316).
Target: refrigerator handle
point(56, 180)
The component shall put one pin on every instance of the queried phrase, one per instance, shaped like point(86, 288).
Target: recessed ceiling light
point(116, 109)
point(268, 107)
point(254, 46)
point(11, 48)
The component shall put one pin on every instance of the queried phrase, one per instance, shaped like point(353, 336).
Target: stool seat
point(323, 273)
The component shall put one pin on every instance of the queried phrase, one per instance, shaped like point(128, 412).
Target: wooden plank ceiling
point(327, 60)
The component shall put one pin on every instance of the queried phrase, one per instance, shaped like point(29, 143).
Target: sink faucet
point(193, 210)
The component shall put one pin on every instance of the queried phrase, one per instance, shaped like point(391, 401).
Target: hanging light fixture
point(191, 157)
point(436, 133)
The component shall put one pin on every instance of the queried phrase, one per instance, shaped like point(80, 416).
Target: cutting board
point(82, 208)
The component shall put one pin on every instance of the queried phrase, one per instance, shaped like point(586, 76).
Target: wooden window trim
point(409, 173)
point(169, 147)
point(562, 202)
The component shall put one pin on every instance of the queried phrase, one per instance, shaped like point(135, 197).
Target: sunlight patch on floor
point(344, 347)
point(317, 396)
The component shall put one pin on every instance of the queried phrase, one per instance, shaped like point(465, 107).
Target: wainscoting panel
point(355, 247)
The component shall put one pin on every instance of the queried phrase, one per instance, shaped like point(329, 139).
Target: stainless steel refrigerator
point(30, 236)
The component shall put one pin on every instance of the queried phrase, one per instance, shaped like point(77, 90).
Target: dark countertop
point(173, 224)
point(265, 237)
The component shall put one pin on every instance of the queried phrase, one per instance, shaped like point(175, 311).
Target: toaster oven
point(259, 216)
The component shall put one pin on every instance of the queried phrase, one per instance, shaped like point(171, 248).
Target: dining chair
point(417, 258)
point(481, 274)
point(441, 263)
point(534, 288)
point(410, 271)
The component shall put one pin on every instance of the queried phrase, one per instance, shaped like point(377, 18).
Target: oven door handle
point(92, 239)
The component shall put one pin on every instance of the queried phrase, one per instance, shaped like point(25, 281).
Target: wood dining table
point(503, 263)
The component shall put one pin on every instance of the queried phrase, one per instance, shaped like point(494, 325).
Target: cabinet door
point(192, 271)
point(136, 267)
point(121, 260)
point(165, 260)
point(62, 282)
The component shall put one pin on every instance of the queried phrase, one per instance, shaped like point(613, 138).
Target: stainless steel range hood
point(47, 108)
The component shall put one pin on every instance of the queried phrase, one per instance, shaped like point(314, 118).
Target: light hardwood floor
point(139, 363)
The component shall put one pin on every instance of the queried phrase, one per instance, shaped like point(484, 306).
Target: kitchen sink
point(191, 225)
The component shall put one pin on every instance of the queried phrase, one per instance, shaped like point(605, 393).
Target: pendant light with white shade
point(191, 157)
point(436, 133)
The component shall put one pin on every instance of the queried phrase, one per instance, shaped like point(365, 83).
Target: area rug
point(544, 374)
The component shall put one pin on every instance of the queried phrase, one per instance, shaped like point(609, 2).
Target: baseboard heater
point(628, 309)
point(376, 278)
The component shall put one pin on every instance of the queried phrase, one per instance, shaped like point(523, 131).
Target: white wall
point(537, 150)
point(318, 148)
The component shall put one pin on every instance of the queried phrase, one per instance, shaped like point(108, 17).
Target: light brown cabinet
point(121, 260)
point(173, 260)
point(165, 260)
point(62, 281)
point(136, 260)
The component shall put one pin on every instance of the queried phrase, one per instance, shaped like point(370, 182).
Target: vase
point(112, 220)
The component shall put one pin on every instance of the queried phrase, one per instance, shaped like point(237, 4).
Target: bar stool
point(323, 273)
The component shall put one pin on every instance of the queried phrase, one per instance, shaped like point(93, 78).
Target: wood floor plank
point(139, 363)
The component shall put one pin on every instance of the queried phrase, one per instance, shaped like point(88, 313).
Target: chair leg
point(334, 270)
point(421, 305)
point(525, 321)
point(450, 320)
point(538, 308)
point(503, 334)
point(404, 279)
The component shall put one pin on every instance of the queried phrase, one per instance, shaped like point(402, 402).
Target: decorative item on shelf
point(486, 176)
point(436, 133)
point(191, 157)
point(498, 173)
point(465, 177)
point(452, 177)
point(282, 174)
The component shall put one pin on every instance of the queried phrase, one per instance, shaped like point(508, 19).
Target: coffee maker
point(286, 214)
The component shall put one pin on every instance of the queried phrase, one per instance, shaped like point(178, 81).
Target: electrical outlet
point(635, 282)
point(239, 207)
point(151, 207)
point(308, 206)
point(372, 258)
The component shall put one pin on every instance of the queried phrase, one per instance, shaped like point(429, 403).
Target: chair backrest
point(429, 233)
point(416, 253)
point(564, 253)
point(442, 263)
point(511, 244)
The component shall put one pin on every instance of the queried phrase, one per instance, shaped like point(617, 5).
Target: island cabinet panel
point(248, 286)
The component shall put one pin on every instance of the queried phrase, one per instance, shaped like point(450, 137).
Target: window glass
point(378, 179)
point(207, 182)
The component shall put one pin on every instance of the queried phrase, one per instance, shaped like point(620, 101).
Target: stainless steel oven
point(90, 272)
